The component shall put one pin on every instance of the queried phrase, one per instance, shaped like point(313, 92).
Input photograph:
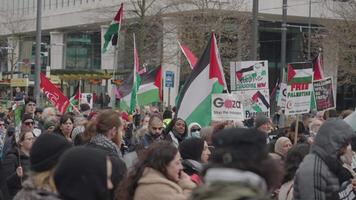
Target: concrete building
point(72, 35)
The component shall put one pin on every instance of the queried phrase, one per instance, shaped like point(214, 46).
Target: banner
point(226, 107)
point(53, 94)
point(299, 88)
point(87, 98)
point(249, 75)
point(282, 96)
point(323, 91)
point(254, 101)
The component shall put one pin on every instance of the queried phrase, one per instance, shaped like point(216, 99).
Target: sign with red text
point(299, 88)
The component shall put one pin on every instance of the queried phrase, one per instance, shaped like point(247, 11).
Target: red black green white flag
point(207, 78)
point(113, 31)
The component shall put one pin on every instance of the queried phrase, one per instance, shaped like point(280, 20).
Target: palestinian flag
point(191, 58)
point(148, 92)
point(239, 74)
point(207, 78)
point(258, 96)
point(318, 67)
point(74, 100)
point(114, 29)
point(300, 73)
point(136, 79)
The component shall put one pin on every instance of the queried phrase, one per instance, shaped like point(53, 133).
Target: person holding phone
point(157, 175)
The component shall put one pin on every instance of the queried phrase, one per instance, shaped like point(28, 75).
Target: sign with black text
point(226, 107)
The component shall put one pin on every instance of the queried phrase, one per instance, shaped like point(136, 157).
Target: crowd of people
point(106, 154)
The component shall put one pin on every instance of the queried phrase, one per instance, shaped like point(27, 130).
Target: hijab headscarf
point(278, 147)
point(81, 174)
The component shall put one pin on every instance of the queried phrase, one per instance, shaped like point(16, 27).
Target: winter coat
point(29, 192)
point(321, 174)
point(10, 164)
point(193, 169)
point(286, 191)
point(231, 184)
point(153, 185)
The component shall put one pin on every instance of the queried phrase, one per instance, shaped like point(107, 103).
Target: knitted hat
point(260, 120)
point(191, 148)
point(48, 124)
point(239, 145)
point(46, 151)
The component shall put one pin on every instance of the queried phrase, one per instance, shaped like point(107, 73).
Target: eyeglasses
point(29, 123)
point(195, 129)
point(157, 128)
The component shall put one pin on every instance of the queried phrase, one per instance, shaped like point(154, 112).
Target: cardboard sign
point(249, 75)
point(226, 107)
point(299, 88)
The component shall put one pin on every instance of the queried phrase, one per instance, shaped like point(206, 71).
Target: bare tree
point(341, 37)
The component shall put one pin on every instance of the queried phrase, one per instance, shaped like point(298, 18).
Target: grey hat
point(260, 120)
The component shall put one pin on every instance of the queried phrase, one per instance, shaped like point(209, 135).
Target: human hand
point(19, 172)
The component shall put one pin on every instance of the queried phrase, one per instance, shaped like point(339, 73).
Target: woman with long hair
point(17, 161)
point(45, 154)
point(66, 124)
point(157, 175)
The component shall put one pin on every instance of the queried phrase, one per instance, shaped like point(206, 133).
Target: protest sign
point(226, 107)
point(299, 88)
point(323, 91)
point(87, 98)
point(254, 101)
point(249, 75)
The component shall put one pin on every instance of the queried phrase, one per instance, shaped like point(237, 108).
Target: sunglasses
point(195, 129)
point(29, 123)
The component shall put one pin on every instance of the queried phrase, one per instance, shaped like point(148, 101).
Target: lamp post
point(37, 88)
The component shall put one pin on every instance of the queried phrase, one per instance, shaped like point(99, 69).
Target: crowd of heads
point(110, 154)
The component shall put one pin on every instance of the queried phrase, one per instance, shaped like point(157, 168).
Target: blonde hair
point(44, 181)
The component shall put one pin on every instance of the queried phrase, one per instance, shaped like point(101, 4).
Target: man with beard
point(155, 130)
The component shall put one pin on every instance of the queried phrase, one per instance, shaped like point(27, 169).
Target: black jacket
point(12, 161)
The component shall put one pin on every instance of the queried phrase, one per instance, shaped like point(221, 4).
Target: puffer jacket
point(320, 175)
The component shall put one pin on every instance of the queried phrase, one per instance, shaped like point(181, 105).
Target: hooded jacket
point(321, 174)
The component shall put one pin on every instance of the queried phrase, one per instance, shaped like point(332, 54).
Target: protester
point(176, 131)
point(301, 138)
point(65, 126)
point(294, 157)
point(49, 127)
point(30, 106)
point(157, 175)
point(155, 131)
point(321, 174)
point(262, 123)
point(283, 144)
point(206, 134)
point(16, 164)
point(44, 155)
point(194, 130)
point(195, 153)
point(240, 167)
point(84, 173)
point(107, 127)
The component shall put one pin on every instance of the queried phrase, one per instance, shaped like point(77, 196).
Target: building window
point(83, 51)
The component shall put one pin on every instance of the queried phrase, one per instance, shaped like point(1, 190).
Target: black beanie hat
point(46, 150)
point(191, 148)
point(239, 145)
